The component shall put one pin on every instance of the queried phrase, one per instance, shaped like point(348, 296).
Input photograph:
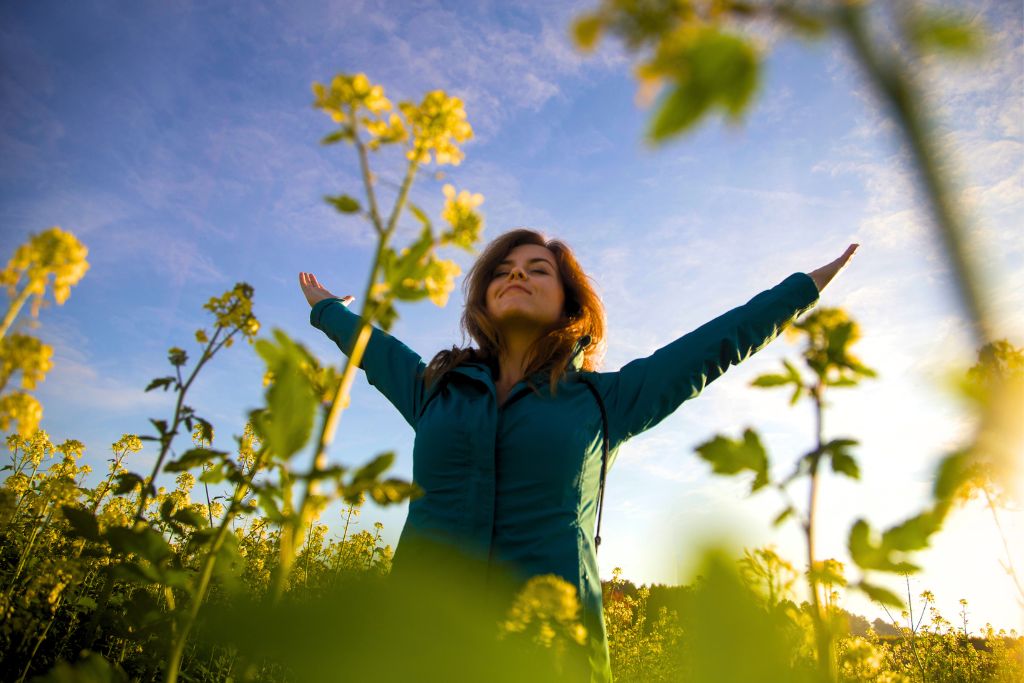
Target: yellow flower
point(53, 252)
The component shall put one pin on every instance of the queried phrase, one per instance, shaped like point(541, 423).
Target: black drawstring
point(604, 459)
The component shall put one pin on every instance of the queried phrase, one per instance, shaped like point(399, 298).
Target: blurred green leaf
point(373, 469)
point(912, 534)
point(82, 522)
point(337, 136)
point(842, 461)
point(728, 456)
point(783, 516)
point(164, 382)
point(868, 555)
point(586, 31)
point(145, 542)
point(712, 69)
point(343, 203)
point(128, 482)
point(944, 32)
point(421, 215)
point(92, 668)
point(194, 457)
point(291, 400)
point(879, 594)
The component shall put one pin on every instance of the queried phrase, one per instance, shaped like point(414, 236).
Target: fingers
point(309, 283)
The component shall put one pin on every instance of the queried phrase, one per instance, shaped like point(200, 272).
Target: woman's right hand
point(315, 292)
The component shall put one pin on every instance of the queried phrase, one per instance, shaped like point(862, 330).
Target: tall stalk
point(339, 399)
point(822, 631)
point(206, 572)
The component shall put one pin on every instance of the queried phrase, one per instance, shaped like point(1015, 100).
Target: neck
point(512, 361)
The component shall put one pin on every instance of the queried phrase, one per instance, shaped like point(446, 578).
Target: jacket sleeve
point(647, 390)
point(390, 366)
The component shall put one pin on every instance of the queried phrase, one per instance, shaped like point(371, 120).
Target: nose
point(512, 273)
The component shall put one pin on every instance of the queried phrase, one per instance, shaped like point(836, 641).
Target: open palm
point(315, 292)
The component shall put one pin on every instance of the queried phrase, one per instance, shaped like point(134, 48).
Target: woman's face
point(526, 289)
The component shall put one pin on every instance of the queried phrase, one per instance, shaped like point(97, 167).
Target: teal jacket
point(516, 486)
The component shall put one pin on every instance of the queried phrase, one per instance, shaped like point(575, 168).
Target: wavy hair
point(583, 314)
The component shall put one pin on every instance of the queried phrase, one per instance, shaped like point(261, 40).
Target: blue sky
point(178, 142)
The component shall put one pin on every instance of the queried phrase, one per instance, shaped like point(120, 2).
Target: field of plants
point(218, 563)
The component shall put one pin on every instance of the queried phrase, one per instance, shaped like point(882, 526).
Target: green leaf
point(913, 534)
point(337, 136)
point(843, 463)
point(373, 469)
point(194, 457)
point(164, 382)
point(82, 522)
point(269, 505)
point(392, 491)
point(728, 456)
point(867, 555)
point(783, 516)
point(127, 482)
point(771, 381)
point(421, 216)
point(291, 399)
point(343, 203)
point(214, 475)
point(85, 602)
point(943, 32)
point(92, 668)
point(134, 572)
point(879, 594)
point(145, 542)
point(712, 69)
point(586, 31)
point(954, 471)
point(190, 517)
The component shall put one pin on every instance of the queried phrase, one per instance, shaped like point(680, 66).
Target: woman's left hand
point(822, 276)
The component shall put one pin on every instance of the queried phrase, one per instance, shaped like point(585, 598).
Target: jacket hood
point(481, 370)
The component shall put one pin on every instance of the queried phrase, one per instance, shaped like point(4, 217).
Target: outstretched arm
point(391, 366)
point(647, 390)
point(822, 276)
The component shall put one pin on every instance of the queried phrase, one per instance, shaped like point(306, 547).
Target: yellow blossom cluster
point(346, 92)
point(21, 408)
point(439, 279)
point(25, 353)
point(53, 252)
point(234, 311)
point(461, 214)
point(548, 607)
point(437, 124)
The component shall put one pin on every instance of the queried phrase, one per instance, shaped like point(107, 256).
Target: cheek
point(557, 298)
point(489, 299)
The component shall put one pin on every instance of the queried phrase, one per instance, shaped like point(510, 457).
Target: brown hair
point(583, 314)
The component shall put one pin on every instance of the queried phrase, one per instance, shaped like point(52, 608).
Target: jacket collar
point(481, 371)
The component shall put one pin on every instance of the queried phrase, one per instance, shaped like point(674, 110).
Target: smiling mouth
point(514, 287)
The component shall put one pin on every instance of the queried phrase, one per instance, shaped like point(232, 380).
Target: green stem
point(330, 423)
point(896, 86)
point(13, 309)
point(826, 662)
point(205, 575)
point(166, 438)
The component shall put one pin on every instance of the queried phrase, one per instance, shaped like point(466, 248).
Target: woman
point(514, 436)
